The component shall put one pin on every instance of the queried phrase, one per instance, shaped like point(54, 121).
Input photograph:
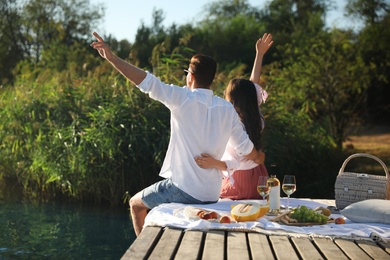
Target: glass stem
point(288, 201)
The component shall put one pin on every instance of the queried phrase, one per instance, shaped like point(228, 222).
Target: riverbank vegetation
point(73, 128)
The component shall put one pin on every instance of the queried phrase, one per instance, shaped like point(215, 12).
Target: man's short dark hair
point(204, 68)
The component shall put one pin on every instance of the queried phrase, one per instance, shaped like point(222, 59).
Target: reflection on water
point(53, 231)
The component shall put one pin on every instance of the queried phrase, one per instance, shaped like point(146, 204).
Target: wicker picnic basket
point(352, 187)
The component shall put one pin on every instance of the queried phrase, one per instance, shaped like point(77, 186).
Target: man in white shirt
point(200, 123)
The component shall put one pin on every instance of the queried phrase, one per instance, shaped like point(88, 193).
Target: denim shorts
point(166, 192)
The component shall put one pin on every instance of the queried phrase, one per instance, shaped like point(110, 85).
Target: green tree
point(228, 33)
point(373, 41)
point(147, 38)
point(44, 30)
point(66, 22)
point(11, 49)
point(372, 11)
point(327, 80)
point(294, 21)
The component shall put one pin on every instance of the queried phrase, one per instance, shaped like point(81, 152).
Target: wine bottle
point(274, 194)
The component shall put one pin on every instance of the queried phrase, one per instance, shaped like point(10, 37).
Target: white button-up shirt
point(200, 123)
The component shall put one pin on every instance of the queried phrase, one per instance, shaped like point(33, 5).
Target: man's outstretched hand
point(102, 47)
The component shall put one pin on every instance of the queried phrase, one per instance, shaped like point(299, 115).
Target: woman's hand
point(206, 161)
point(264, 43)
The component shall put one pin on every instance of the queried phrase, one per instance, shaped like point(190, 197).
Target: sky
point(123, 17)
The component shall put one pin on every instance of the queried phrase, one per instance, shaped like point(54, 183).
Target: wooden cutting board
point(299, 224)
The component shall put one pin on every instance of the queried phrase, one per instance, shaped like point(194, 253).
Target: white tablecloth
point(171, 215)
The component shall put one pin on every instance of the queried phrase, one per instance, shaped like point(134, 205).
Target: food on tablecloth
point(206, 216)
point(302, 215)
point(339, 220)
point(305, 214)
point(200, 213)
point(248, 211)
point(214, 214)
point(192, 213)
point(225, 219)
point(323, 211)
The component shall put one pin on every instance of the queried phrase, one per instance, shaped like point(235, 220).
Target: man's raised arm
point(131, 72)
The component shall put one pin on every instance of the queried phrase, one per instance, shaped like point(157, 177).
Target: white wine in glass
point(289, 187)
point(262, 187)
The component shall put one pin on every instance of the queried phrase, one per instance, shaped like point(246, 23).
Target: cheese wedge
point(248, 211)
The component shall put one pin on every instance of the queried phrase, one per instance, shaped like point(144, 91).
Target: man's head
point(202, 69)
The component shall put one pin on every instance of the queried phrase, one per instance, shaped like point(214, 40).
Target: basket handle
point(364, 155)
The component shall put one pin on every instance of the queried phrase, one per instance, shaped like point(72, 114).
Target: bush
point(81, 139)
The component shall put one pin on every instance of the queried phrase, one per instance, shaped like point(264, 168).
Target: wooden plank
point(372, 249)
point(328, 248)
point(306, 248)
point(144, 244)
point(259, 246)
point(283, 248)
point(190, 246)
point(352, 250)
point(167, 245)
point(214, 245)
point(237, 247)
point(385, 246)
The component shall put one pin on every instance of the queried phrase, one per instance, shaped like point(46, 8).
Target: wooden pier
point(172, 243)
point(167, 243)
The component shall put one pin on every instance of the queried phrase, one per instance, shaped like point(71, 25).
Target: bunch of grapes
point(304, 214)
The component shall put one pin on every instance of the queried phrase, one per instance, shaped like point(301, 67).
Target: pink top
point(262, 95)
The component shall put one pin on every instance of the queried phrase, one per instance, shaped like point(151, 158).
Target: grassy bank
point(371, 139)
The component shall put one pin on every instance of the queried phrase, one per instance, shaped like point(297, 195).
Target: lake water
point(63, 231)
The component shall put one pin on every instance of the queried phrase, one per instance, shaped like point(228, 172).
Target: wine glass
point(262, 187)
point(289, 187)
